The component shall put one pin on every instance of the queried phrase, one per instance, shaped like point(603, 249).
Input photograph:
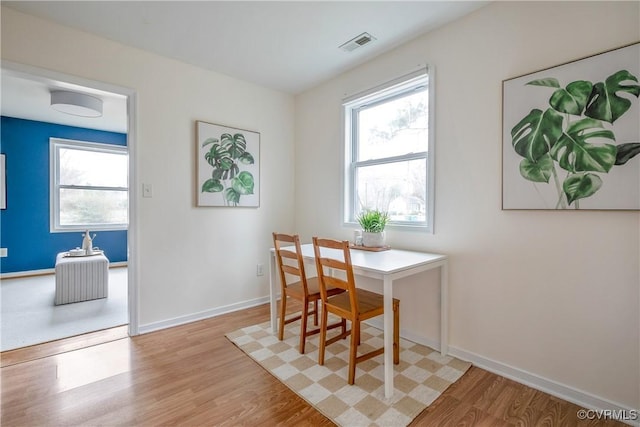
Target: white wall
point(553, 294)
point(191, 259)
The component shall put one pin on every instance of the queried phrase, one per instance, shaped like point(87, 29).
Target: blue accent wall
point(24, 225)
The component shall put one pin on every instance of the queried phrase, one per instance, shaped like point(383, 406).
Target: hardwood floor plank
point(192, 375)
point(492, 390)
point(20, 355)
point(521, 411)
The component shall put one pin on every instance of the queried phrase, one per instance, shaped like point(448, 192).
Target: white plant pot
point(372, 240)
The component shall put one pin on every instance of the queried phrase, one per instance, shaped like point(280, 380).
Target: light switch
point(147, 190)
point(4, 252)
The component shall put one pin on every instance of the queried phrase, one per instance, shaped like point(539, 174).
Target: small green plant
point(373, 221)
point(225, 155)
point(575, 135)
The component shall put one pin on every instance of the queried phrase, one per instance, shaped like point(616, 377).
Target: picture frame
point(228, 166)
point(3, 183)
point(571, 135)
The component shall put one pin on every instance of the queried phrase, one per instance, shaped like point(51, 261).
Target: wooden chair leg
point(396, 333)
point(283, 309)
point(353, 351)
point(315, 313)
point(303, 325)
point(323, 337)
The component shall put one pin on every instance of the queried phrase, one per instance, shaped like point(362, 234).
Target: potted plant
point(373, 223)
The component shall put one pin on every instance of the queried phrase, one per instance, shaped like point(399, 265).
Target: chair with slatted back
point(355, 305)
point(295, 284)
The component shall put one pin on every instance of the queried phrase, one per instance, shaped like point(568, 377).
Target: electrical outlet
point(4, 252)
point(259, 270)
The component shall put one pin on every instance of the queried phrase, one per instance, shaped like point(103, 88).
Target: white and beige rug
point(422, 375)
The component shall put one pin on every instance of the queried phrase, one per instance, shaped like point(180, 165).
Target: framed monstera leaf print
point(228, 166)
point(571, 135)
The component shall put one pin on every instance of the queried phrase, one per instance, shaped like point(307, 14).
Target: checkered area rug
point(422, 375)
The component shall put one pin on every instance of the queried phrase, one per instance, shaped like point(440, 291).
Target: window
point(89, 186)
point(389, 152)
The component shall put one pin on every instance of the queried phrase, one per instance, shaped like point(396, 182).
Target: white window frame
point(379, 94)
point(55, 144)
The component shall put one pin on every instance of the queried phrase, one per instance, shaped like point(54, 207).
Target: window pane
point(397, 188)
point(93, 168)
point(87, 207)
point(393, 128)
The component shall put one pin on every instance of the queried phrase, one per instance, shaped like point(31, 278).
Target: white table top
point(384, 262)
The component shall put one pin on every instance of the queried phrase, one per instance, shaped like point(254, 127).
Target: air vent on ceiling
point(357, 42)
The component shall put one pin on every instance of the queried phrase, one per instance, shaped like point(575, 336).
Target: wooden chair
point(295, 284)
point(354, 305)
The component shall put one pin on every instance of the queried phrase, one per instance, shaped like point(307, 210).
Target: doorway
point(119, 106)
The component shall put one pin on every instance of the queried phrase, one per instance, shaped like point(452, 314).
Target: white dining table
point(387, 266)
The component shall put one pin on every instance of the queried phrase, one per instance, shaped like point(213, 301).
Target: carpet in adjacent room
point(30, 317)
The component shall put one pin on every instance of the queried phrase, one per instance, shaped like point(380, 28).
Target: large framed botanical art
point(571, 135)
point(228, 166)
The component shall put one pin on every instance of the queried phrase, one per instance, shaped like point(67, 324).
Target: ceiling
point(288, 46)
point(28, 97)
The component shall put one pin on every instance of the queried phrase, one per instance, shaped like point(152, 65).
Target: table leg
point(444, 308)
point(273, 297)
point(388, 336)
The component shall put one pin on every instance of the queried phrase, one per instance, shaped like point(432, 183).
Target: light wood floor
point(192, 375)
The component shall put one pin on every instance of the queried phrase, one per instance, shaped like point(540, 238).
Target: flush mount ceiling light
point(77, 104)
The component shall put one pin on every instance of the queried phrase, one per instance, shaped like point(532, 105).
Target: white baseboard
point(118, 264)
point(565, 392)
point(46, 271)
point(27, 273)
point(570, 394)
point(408, 335)
point(176, 321)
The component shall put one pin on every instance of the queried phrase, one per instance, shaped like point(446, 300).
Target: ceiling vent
point(357, 42)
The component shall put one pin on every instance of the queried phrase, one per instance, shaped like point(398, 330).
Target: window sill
point(395, 227)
